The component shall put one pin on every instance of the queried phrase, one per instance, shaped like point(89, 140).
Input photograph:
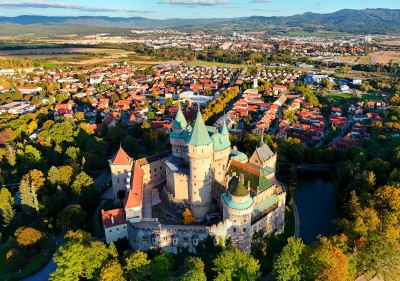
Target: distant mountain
point(132, 22)
point(368, 21)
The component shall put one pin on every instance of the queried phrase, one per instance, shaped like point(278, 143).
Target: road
point(296, 220)
point(341, 134)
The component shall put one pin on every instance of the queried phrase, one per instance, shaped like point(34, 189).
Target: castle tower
point(200, 154)
point(237, 207)
point(177, 136)
point(121, 167)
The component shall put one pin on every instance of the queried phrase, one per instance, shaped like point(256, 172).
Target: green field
point(211, 64)
point(337, 97)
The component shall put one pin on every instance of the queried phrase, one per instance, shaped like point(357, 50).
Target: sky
point(162, 9)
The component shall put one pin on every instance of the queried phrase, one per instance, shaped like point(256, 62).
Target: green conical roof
point(199, 135)
point(224, 130)
point(180, 121)
point(237, 188)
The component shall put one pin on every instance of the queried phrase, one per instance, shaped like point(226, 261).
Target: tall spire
point(180, 120)
point(224, 130)
point(199, 135)
point(262, 137)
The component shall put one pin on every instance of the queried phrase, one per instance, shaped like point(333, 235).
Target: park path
point(296, 220)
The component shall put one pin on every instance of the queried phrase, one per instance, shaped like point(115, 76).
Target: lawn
point(211, 64)
point(35, 263)
point(337, 97)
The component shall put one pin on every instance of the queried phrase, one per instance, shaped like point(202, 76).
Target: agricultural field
point(385, 56)
point(337, 97)
point(211, 64)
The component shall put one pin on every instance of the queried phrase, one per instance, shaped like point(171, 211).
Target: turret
point(224, 130)
point(178, 135)
point(180, 122)
point(200, 154)
point(237, 206)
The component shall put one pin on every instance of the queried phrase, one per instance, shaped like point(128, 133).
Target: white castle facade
point(231, 196)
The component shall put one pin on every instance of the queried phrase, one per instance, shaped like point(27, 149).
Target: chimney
point(112, 219)
point(248, 186)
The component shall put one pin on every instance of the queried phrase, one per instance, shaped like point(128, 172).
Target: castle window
point(185, 239)
point(244, 229)
point(234, 230)
point(144, 238)
point(194, 192)
point(110, 230)
point(117, 229)
point(155, 169)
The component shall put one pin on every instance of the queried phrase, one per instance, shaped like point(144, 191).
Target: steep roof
point(135, 194)
point(264, 152)
point(121, 158)
point(220, 142)
point(199, 135)
point(224, 130)
point(237, 188)
point(180, 120)
point(258, 181)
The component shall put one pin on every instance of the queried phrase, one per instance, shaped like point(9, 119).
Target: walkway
point(296, 220)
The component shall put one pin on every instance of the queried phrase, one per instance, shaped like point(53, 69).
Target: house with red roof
point(114, 224)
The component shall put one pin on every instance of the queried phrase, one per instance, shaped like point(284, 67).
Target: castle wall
point(120, 177)
point(151, 234)
point(220, 164)
point(177, 185)
point(154, 172)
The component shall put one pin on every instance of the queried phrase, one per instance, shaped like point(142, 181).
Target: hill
point(368, 21)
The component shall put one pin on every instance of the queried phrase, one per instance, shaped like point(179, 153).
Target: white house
point(114, 223)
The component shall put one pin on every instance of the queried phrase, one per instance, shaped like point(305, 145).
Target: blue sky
point(162, 9)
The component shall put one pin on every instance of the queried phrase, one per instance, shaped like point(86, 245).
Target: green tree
point(161, 266)
point(6, 206)
point(72, 217)
point(80, 258)
point(30, 157)
point(137, 266)
point(233, 264)
point(81, 182)
point(29, 201)
point(287, 266)
point(193, 269)
point(29, 240)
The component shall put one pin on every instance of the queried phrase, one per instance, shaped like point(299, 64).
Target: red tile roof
point(135, 194)
point(121, 158)
point(118, 215)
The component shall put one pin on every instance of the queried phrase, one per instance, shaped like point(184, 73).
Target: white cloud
point(44, 4)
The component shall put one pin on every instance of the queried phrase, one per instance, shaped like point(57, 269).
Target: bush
point(15, 259)
point(29, 240)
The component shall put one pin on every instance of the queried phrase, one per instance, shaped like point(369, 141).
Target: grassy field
point(337, 97)
point(317, 33)
point(211, 64)
point(34, 264)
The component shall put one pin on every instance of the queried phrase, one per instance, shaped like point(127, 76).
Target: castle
point(231, 196)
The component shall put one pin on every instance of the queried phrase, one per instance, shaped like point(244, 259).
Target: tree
point(15, 259)
point(81, 182)
point(73, 153)
point(35, 177)
point(187, 217)
point(137, 266)
point(30, 157)
point(292, 149)
point(193, 269)
point(29, 240)
point(161, 266)
point(6, 206)
point(72, 217)
point(323, 261)
point(287, 266)
point(112, 271)
point(231, 264)
point(80, 258)
point(11, 155)
point(29, 202)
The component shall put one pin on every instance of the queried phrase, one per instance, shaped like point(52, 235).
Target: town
point(249, 148)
